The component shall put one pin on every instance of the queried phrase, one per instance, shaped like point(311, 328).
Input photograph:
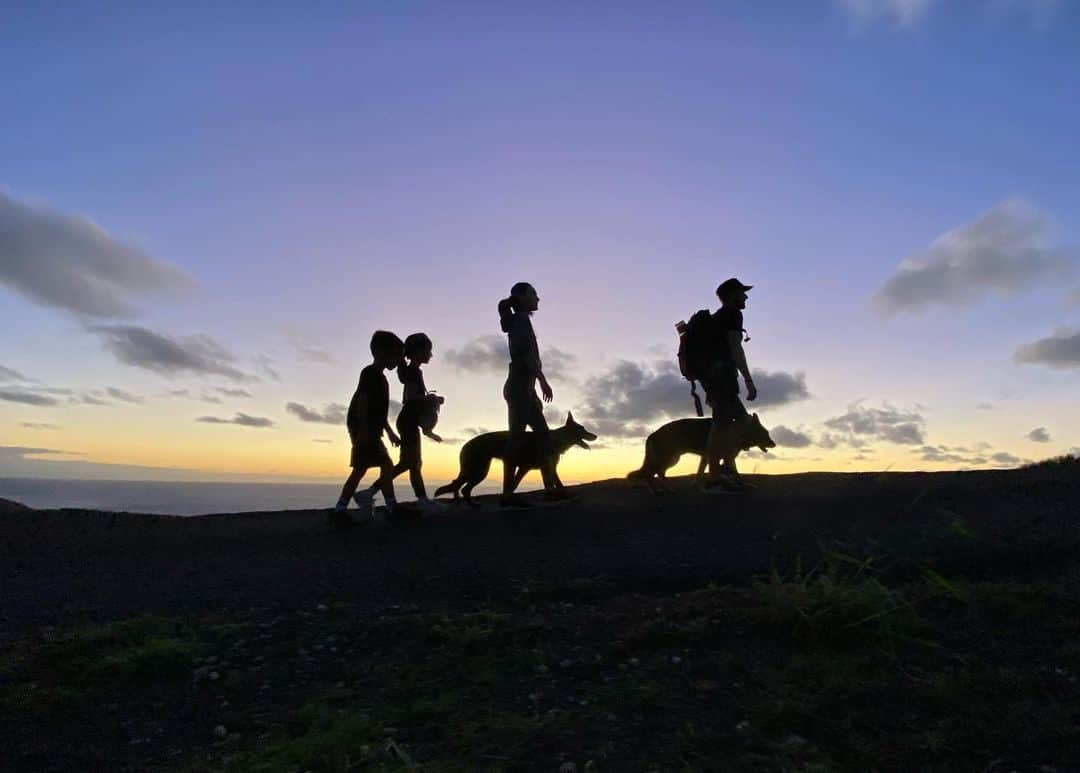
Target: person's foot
point(559, 495)
point(365, 503)
point(341, 506)
point(514, 500)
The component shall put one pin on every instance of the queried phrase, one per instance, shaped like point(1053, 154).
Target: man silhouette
point(721, 383)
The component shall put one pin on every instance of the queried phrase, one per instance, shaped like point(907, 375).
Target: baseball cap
point(731, 285)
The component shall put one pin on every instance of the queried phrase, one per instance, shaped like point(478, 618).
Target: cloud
point(474, 431)
point(984, 406)
point(489, 353)
point(1061, 350)
point(631, 397)
point(789, 437)
point(56, 259)
point(1038, 435)
point(233, 392)
point(886, 423)
point(1002, 251)
point(38, 425)
point(126, 397)
point(25, 452)
point(946, 455)
point(1008, 459)
point(88, 398)
point(242, 419)
point(332, 413)
point(164, 354)
point(265, 366)
point(8, 374)
point(321, 440)
point(27, 398)
point(1072, 300)
point(315, 354)
point(903, 13)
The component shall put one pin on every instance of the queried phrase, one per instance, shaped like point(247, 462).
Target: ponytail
point(506, 314)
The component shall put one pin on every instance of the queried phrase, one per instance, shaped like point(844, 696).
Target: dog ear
point(570, 417)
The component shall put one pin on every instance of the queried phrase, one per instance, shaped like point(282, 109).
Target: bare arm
point(739, 356)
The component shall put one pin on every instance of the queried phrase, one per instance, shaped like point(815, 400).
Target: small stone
point(590, 767)
point(634, 662)
point(568, 767)
point(793, 742)
point(675, 659)
point(743, 728)
point(214, 676)
point(221, 732)
point(322, 607)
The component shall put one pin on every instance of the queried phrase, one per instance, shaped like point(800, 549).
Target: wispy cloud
point(241, 419)
point(27, 397)
point(903, 13)
point(1003, 251)
point(1038, 435)
point(488, 353)
point(141, 347)
point(127, 397)
point(265, 366)
point(860, 424)
point(1061, 351)
point(39, 425)
point(790, 438)
point(57, 259)
point(9, 374)
point(630, 398)
point(229, 392)
point(332, 413)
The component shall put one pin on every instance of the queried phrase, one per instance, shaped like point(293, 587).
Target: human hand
point(433, 436)
point(751, 390)
point(545, 390)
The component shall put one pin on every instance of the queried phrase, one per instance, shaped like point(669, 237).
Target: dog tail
point(450, 488)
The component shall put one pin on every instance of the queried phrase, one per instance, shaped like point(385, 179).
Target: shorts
point(368, 453)
point(721, 386)
point(409, 432)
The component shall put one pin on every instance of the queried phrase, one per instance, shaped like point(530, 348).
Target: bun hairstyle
point(509, 306)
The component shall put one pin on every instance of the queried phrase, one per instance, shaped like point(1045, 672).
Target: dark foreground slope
point(892, 622)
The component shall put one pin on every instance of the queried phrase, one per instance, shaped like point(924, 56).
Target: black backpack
point(695, 351)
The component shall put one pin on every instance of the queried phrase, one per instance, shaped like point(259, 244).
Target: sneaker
point(514, 500)
point(365, 503)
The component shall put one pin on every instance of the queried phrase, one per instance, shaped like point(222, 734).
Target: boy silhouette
point(367, 420)
point(414, 401)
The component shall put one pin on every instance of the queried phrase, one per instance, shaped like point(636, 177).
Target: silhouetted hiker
point(415, 402)
point(721, 381)
point(366, 422)
point(523, 406)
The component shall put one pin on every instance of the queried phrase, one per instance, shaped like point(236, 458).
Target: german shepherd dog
point(665, 447)
point(478, 452)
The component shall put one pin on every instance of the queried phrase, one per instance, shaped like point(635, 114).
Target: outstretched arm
point(739, 356)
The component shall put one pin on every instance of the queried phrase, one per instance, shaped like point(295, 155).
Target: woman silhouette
point(524, 408)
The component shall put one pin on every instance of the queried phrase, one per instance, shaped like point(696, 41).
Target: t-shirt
point(524, 353)
point(724, 321)
point(413, 380)
point(375, 390)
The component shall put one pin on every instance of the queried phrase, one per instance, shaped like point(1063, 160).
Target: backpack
point(695, 351)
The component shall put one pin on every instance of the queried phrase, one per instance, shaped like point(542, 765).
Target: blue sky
point(318, 173)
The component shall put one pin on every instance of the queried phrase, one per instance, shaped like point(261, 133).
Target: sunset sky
point(204, 215)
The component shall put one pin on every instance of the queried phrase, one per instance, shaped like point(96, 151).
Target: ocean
point(188, 498)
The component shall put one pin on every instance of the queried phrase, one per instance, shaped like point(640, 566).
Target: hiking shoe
point(514, 500)
point(365, 503)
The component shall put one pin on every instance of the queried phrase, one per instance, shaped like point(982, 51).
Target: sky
point(206, 211)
